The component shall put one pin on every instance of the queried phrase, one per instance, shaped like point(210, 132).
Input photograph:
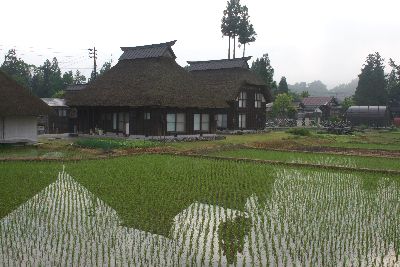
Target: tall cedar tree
point(247, 33)
point(393, 84)
point(283, 86)
point(17, 68)
point(230, 23)
point(371, 89)
point(262, 67)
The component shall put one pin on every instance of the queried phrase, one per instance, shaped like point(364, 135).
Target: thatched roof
point(366, 111)
point(15, 100)
point(224, 79)
point(145, 82)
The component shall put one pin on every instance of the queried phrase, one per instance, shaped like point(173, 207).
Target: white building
point(19, 110)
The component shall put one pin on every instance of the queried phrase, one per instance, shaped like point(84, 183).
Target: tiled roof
point(148, 51)
point(219, 64)
point(55, 102)
point(317, 101)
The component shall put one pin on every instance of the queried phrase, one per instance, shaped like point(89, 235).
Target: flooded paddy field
point(156, 210)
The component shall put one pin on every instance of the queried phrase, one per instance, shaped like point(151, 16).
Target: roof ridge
point(170, 43)
point(219, 60)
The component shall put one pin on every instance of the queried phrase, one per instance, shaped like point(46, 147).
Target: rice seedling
point(306, 218)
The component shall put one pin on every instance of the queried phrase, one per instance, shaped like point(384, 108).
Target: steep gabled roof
point(148, 51)
point(15, 100)
point(145, 82)
point(223, 79)
point(317, 101)
point(219, 64)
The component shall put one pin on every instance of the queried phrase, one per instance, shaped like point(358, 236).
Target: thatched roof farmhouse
point(19, 110)
point(148, 93)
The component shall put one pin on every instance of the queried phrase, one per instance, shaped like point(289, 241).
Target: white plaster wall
point(20, 128)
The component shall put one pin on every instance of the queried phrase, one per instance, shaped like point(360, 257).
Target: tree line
point(45, 80)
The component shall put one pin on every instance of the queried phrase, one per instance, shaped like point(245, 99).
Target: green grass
point(314, 158)
point(19, 181)
point(114, 143)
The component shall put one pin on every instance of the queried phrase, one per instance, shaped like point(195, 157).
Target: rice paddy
point(242, 214)
point(314, 158)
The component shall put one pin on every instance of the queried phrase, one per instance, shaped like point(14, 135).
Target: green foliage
point(79, 78)
point(262, 67)
point(347, 102)
point(283, 106)
point(371, 89)
point(17, 68)
point(108, 144)
point(299, 131)
point(231, 236)
point(230, 23)
point(283, 86)
point(246, 32)
point(304, 94)
point(393, 84)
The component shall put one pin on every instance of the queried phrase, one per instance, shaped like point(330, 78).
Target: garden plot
point(311, 219)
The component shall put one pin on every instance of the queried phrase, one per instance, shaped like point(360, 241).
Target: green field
point(171, 210)
point(313, 158)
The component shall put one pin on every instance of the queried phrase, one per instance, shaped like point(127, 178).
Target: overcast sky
point(306, 40)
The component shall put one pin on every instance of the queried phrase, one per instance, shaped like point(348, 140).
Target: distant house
point(148, 93)
point(318, 108)
point(372, 116)
point(242, 92)
point(58, 121)
point(19, 110)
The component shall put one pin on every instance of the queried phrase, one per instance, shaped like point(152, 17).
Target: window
point(222, 121)
point(123, 119)
point(115, 121)
point(205, 122)
point(242, 121)
point(259, 99)
point(242, 99)
point(201, 122)
point(175, 122)
point(62, 112)
point(147, 115)
point(196, 122)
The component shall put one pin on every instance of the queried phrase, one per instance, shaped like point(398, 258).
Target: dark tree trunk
point(229, 49)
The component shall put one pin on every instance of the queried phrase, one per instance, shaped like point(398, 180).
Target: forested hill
point(318, 88)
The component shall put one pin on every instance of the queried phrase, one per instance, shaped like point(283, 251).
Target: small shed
point(19, 110)
point(58, 122)
point(372, 116)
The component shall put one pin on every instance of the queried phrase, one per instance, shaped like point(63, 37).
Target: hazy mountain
point(318, 88)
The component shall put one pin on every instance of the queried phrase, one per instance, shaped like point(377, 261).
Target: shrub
point(108, 144)
point(299, 131)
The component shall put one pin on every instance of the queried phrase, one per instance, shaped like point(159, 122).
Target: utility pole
point(93, 54)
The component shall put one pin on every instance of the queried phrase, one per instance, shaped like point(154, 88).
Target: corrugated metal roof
point(55, 102)
point(75, 87)
point(219, 64)
point(148, 51)
point(316, 101)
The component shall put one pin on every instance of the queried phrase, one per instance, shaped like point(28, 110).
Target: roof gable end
point(148, 51)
